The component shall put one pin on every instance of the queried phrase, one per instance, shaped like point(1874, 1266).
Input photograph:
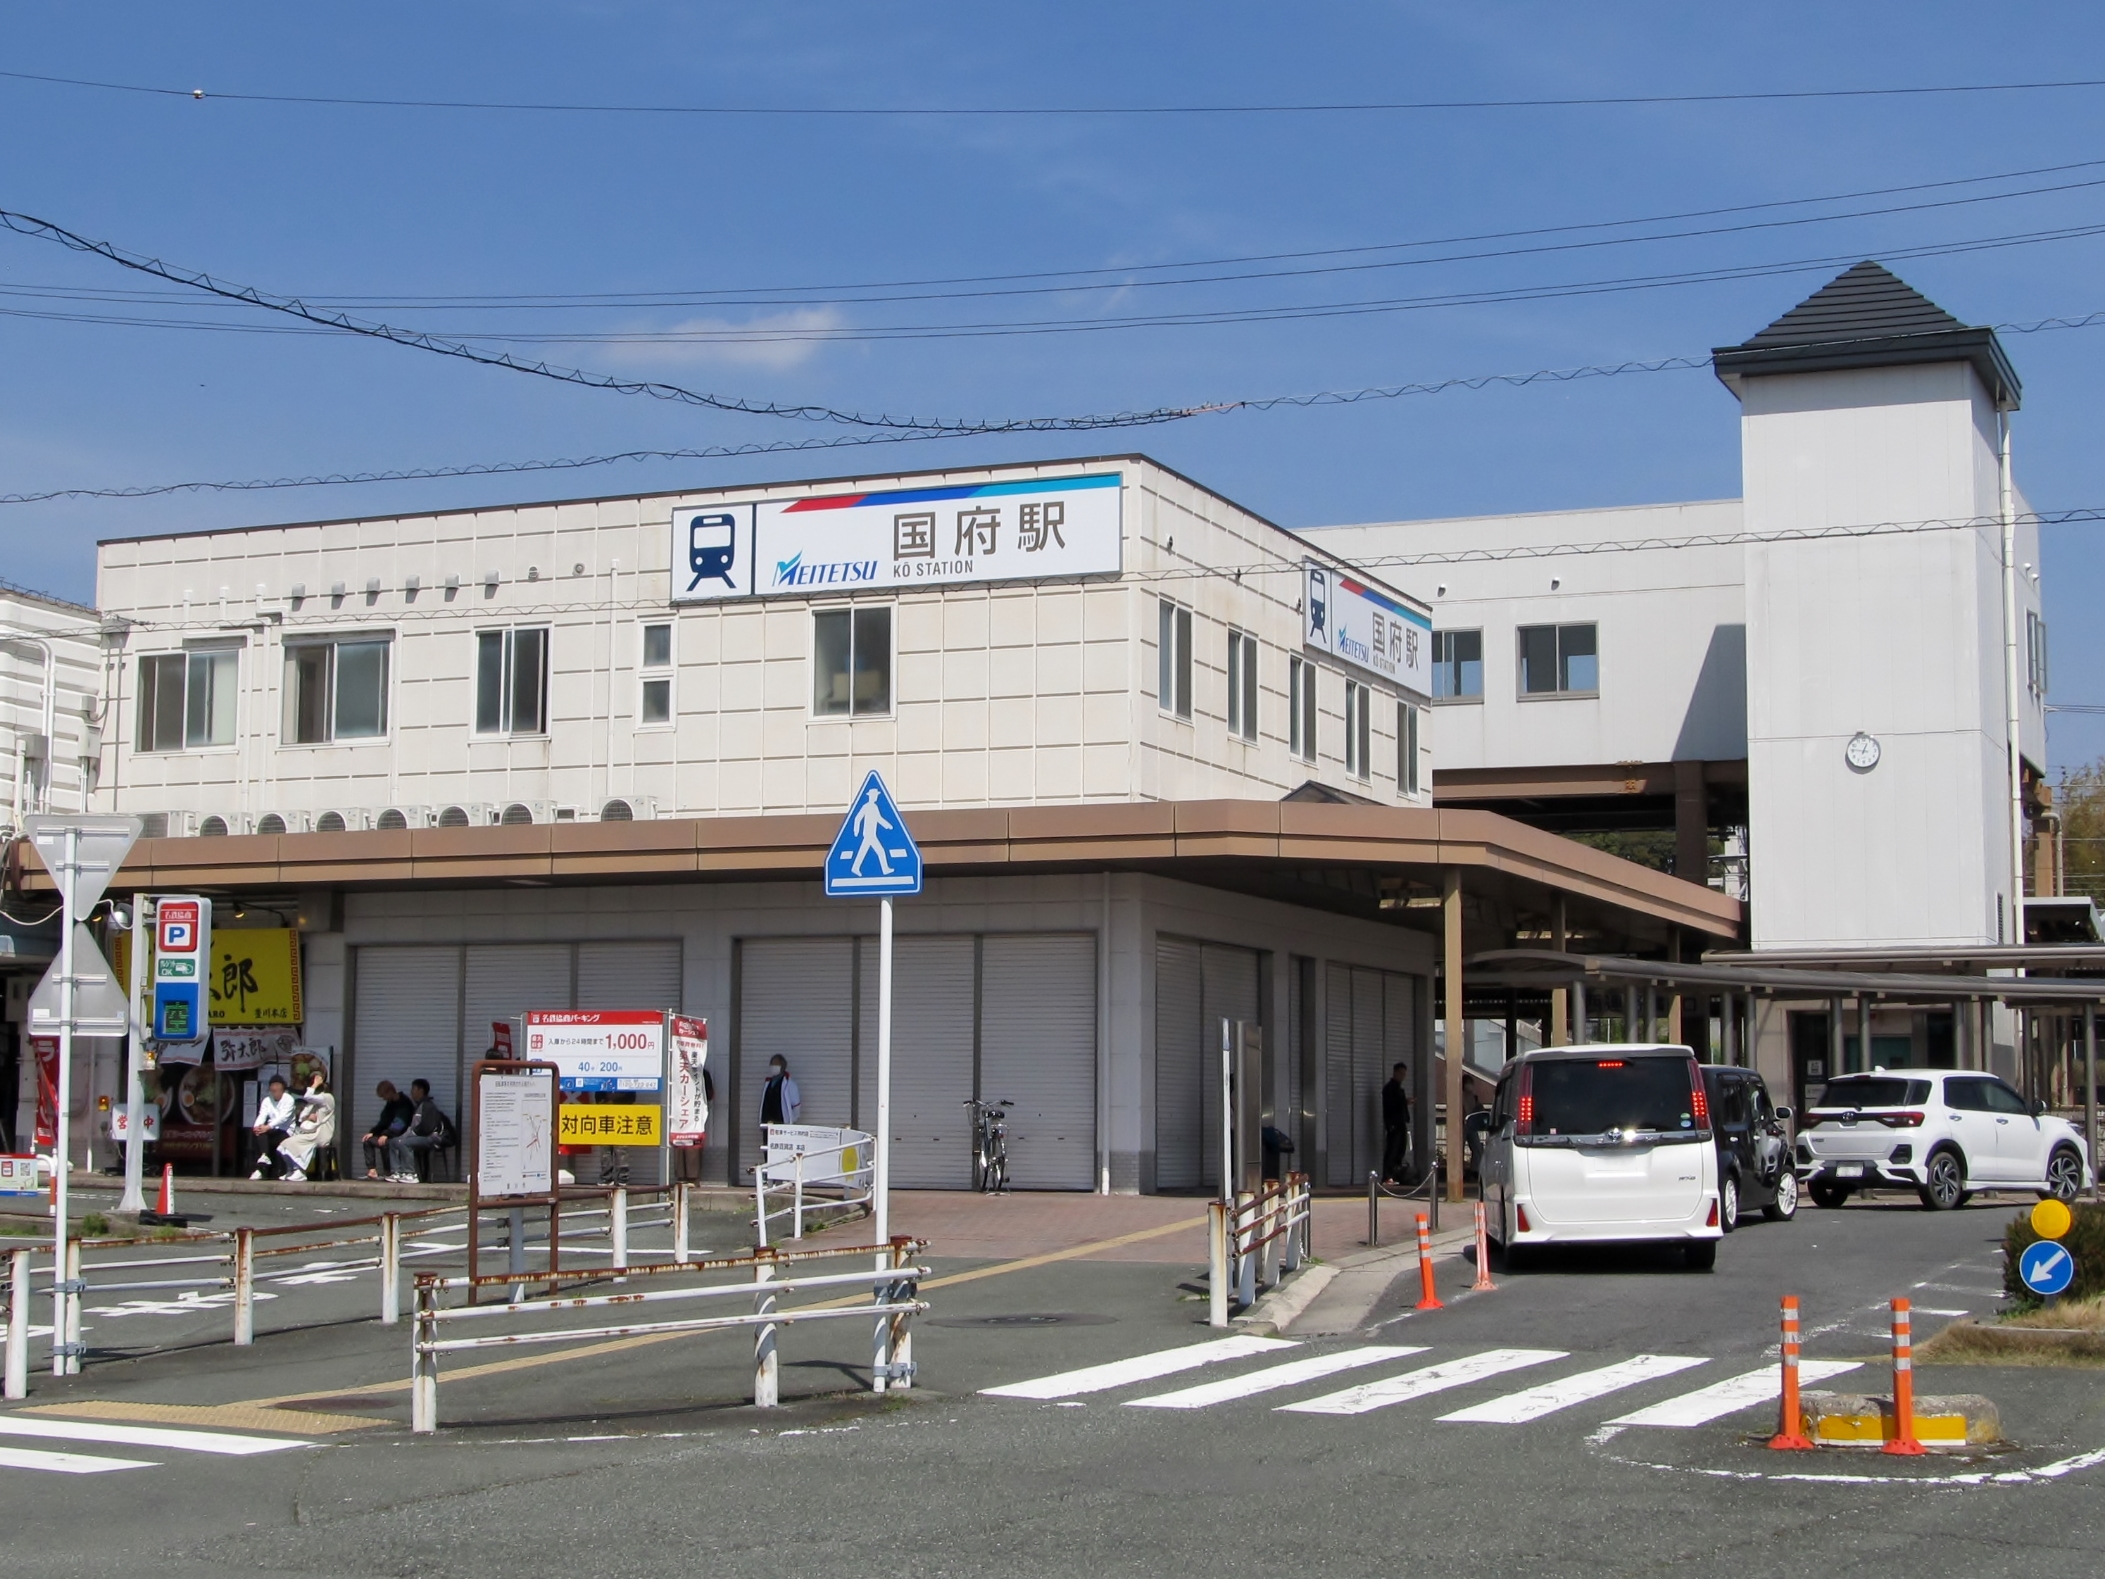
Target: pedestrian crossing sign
point(873, 855)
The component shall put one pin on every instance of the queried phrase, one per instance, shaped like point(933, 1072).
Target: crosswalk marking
point(65, 1463)
point(1732, 1395)
point(1141, 1368)
point(1418, 1384)
point(145, 1436)
point(1535, 1402)
point(1273, 1377)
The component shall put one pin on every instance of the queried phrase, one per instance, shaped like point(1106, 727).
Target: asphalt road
point(635, 1462)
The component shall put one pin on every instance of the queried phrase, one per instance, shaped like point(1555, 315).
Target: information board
point(515, 1133)
point(18, 1176)
point(601, 1049)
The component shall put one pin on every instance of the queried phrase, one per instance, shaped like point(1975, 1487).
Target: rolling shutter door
point(932, 1030)
point(406, 1027)
point(795, 998)
point(628, 975)
point(1179, 1011)
point(1340, 1163)
point(1038, 1047)
point(1399, 1038)
point(1367, 1071)
point(1231, 994)
point(508, 979)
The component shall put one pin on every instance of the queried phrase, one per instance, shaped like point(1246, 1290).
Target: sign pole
point(134, 1198)
point(881, 1190)
point(61, 1151)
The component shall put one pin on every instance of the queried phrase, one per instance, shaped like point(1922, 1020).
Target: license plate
point(1850, 1170)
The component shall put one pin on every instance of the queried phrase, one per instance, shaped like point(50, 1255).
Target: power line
point(1014, 111)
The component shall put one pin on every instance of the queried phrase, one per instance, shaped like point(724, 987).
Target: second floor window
point(1242, 685)
point(1458, 666)
point(1301, 708)
point(511, 681)
point(851, 662)
point(335, 690)
point(1406, 748)
point(2035, 653)
point(187, 700)
point(1358, 735)
point(654, 703)
point(1173, 659)
point(1559, 660)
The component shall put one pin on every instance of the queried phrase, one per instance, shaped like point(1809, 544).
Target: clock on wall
point(1862, 752)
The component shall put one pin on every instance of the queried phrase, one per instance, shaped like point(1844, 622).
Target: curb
point(1279, 1309)
point(1866, 1420)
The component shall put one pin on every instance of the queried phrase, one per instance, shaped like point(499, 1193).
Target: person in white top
point(273, 1124)
point(780, 1100)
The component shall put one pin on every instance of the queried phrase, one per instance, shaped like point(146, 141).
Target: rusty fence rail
point(1254, 1240)
point(893, 1282)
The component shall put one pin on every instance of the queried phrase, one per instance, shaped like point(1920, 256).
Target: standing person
point(396, 1110)
point(780, 1100)
point(314, 1128)
point(429, 1129)
point(1396, 1126)
point(273, 1124)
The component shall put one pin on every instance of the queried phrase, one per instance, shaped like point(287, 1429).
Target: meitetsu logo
point(793, 572)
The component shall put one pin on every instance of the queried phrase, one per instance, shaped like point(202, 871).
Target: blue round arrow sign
point(2047, 1268)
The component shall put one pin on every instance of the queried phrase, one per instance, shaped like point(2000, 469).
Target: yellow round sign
point(2050, 1219)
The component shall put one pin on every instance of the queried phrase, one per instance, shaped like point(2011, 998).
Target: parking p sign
point(182, 948)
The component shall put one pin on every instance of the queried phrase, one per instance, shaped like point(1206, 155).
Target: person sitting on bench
point(311, 1131)
point(429, 1130)
point(396, 1110)
point(273, 1124)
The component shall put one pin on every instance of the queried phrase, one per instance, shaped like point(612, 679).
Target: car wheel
point(2064, 1175)
point(1785, 1206)
point(1829, 1195)
point(1729, 1202)
point(1700, 1255)
point(1943, 1183)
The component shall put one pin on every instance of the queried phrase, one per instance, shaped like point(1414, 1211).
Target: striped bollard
point(1903, 1442)
point(1427, 1298)
point(1790, 1427)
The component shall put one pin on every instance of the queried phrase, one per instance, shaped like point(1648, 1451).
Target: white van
point(1607, 1144)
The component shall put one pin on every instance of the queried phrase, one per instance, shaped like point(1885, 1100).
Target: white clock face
point(1862, 752)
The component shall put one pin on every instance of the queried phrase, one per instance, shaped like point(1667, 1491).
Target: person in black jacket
point(396, 1110)
point(1396, 1126)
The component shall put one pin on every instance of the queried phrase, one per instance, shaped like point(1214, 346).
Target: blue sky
point(336, 202)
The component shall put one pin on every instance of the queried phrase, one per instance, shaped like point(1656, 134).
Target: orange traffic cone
point(166, 1206)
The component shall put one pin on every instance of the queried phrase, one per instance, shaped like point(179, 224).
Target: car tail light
point(1609, 1063)
point(1901, 1120)
point(1699, 1100)
point(1524, 1110)
point(1712, 1220)
point(1520, 1216)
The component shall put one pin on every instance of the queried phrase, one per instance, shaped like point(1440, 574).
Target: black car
point(1754, 1152)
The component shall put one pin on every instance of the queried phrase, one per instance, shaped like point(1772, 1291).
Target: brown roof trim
point(1150, 834)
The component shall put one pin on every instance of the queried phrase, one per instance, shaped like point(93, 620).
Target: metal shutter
point(795, 998)
point(1038, 1047)
point(1231, 994)
point(1399, 1036)
point(507, 979)
point(628, 975)
point(406, 1026)
point(1339, 1162)
point(932, 1033)
point(1368, 1070)
point(1180, 998)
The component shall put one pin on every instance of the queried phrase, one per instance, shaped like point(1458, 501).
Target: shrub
point(2085, 1240)
point(94, 1225)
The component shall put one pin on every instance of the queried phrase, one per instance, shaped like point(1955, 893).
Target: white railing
point(893, 1283)
point(1254, 1240)
point(813, 1179)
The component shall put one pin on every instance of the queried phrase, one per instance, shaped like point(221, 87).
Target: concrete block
point(1865, 1420)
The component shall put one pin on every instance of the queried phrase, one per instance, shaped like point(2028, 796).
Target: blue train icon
point(712, 547)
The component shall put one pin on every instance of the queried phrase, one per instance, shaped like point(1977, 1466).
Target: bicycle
point(990, 1146)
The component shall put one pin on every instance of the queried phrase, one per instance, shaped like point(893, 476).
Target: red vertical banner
point(47, 1089)
point(500, 1038)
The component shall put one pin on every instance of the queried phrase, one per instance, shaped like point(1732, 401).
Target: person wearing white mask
point(780, 1100)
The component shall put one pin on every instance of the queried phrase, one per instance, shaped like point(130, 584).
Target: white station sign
point(1024, 530)
point(1368, 629)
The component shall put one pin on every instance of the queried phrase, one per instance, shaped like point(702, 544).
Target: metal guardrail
point(894, 1284)
point(1255, 1240)
point(787, 1175)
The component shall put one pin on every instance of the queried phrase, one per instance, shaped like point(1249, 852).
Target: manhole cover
point(1054, 1318)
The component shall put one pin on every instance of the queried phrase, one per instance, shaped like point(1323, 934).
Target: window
point(511, 682)
point(2035, 653)
point(654, 706)
point(335, 690)
point(1357, 761)
point(1301, 706)
point(1458, 666)
point(1242, 685)
point(187, 700)
point(1559, 660)
point(1173, 659)
point(851, 662)
point(1406, 748)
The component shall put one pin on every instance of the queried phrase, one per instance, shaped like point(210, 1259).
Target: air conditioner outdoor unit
point(401, 817)
point(219, 824)
point(350, 819)
point(167, 824)
point(630, 808)
point(520, 813)
point(283, 822)
point(463, 814)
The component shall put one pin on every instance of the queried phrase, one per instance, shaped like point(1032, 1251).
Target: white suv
point(1943, 1133)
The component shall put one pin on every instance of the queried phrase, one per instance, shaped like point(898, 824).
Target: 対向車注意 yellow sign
point(610, 1124)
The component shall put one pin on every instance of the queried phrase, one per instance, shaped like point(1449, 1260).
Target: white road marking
point(1418, 1384)
point(1290, 1374)
point(1932, 1310)
point(1535, 1402)
point(1731, 1396)
point(1141, 1368)
point(146, 1436)
point(66, 1463)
